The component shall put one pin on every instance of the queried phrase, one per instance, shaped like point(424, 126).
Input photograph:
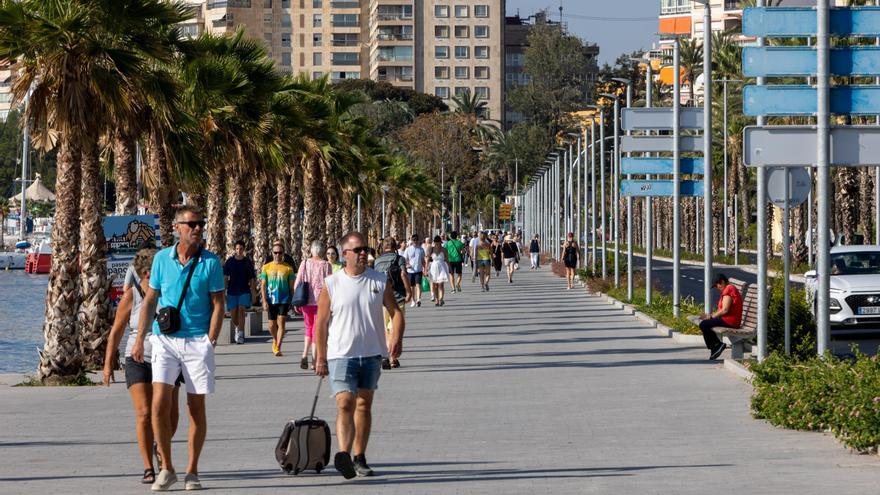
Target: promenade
point(526, 389)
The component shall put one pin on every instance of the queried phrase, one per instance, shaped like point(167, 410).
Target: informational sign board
point(795, 146)
point(504, 211)
point(794, 61)
point(125, 234)
point(785, 100)
point(799, 185)
point(655, 144)
point(661, 118)
point(641, 188)
point(660, 166)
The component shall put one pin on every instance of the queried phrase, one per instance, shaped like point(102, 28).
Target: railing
point(345, 5)
point(394, 37)
point(345, 43)
point(394, 17)
point(336, 61)
point(393, 58)
point(344, 24)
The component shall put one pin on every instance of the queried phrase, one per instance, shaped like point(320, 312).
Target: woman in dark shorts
point(570, 256)
point(138, 376)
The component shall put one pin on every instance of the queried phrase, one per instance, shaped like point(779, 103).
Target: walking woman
point(497, 255)
point(333, 259)
point(510, 253)
point(484, 261)
point(438, 271)
point(138, 376)
point(312, 271)
point(570, 256)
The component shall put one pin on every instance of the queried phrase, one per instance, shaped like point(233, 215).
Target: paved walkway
point(526, 389)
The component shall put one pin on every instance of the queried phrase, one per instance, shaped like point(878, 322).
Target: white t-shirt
point(131, 279)
point(475, 243)
point(415, 259)
point(357, 327)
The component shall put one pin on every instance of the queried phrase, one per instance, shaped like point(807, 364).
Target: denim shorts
point(353, 374)
point(232, 302)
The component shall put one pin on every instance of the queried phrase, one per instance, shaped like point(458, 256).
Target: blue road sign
point(801, 21)
point(640, 188)
point(801, 100)
point(659, 166)
point(778, 61)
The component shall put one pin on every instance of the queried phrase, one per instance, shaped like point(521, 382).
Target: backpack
point(395, 278)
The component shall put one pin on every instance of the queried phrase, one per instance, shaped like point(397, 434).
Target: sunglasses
point(277, 252)
point(358, 250)
point(193, 223)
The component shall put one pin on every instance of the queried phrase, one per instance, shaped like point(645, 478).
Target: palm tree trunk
point(846, 201)
point(799, 228)
point(238, 209)
point(295, 215)
point(313, 227)
point(345, 205)
point(125, 174)
point(332, 212)
point(216, 228)
point(260, 210)
point(283, 215)
point(94, 310)
point(61, 358)
point(866, 188)
point(160, 190)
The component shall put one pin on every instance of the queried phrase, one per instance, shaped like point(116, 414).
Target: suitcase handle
point(315, 403)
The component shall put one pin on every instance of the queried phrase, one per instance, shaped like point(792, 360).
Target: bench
point(737, 337)
point(253, 327)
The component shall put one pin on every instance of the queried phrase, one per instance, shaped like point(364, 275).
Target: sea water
point(22, 309)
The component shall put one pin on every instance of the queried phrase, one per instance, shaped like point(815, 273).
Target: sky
point(618, 26)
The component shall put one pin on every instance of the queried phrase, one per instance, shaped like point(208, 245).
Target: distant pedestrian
point(138, 375)
point(415, 261)
point(729, 314)
point(439, 272)
point(484, 261)
point(534, 252)
point(455, 256)
point(497, 255)
point(350, 345)
point(241, 288)
point(333, 258)
point(277, 281)
point(570, 256)
point(393, 266)
point(472, 246)
point(509, 252)
point(312, 271)
point(183, 338)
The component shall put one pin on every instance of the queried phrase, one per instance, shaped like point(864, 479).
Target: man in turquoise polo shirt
point(188, 350)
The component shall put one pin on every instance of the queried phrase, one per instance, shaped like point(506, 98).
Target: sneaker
point(342, 463)
point(361, 467)
point(419, 303)
point(274, 348)
point(239, 337)
point(717, 352)
point(191, 482)
point(386, 364)
point(412, 304)
point(453, 291)
point(164, 481)
point(304, 363)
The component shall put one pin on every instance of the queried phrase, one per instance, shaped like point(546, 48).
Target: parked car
point(855, 288)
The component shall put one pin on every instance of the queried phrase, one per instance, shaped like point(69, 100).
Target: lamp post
point(629, 212)
point(615, 187)
point(385, 189)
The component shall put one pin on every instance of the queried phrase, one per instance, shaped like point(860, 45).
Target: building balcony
point(345, 5)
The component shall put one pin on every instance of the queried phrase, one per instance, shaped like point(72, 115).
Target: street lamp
point(616, 186)
point(363, 178)
point(629, 212)
point(385, 189)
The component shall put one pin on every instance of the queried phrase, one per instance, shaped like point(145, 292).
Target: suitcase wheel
point(287, 468)
point(319, 467)
point(296, 471)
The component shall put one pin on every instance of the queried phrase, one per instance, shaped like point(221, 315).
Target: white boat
point(12, 260)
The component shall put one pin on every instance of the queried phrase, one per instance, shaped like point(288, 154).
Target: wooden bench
point(737, 337)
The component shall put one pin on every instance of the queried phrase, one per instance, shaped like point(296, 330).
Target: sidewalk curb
point(659, 328)
point(735, 367)
point(753, 269)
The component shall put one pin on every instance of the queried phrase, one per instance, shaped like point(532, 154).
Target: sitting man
point(729, 314)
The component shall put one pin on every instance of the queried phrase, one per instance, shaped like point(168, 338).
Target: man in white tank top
point(350, 345)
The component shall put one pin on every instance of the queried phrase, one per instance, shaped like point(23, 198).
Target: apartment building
point(6, 76)
point(440, 47)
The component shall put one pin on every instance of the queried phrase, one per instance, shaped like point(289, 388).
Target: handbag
point(426, 286)
point(168, 318)
point(301, 293)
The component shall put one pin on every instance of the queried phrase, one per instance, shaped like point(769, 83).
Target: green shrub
point(821, 394)
point(803, 328)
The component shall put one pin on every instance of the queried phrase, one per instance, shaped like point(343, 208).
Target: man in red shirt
point(728, 314)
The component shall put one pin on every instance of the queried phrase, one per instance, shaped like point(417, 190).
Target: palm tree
point(4, 214)
point(486, 131)
point(691, 59)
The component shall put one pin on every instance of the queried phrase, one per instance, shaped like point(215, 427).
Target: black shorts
point(276, 310)
point(415, 278)
point(136, 372)
point(455, 267)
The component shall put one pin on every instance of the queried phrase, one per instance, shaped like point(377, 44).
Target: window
point(338, 76)
point(317, 75)
point(515, 59)
point(441, 72)
point(267, 20)
point(441, 31)
point(268, 37)
point(316, 4)
point(481, 11)
point(285, 59)
point(482, 92)
point(186, 30)
point(441, 11)
point(285, 4)
point(396, 53)
point(441, 52)
point(316, 58)
point(462, 73)
point(462, 31)
point(461, 11)
point(285, 20)
point(481, 52)
point(346, 20)
point(346, 39)
point(441, 92)
point(285, 40)
point(346, 58)
point(481, 31)
point(316, 20)
point(462, 52)
point(267, 4)
point(461, 91)
point(317, 39)
point(481, 72)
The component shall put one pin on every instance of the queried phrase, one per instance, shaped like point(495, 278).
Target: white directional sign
point(795, 146)
point(798, 189)
point(649, 119)
point(654, 144)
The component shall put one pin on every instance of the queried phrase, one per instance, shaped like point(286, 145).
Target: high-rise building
point(440, 47)
point(6, 77)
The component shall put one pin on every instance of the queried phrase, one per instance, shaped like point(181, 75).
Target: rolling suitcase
point(304, 443)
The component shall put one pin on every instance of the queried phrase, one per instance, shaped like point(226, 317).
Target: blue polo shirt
point(168, 277)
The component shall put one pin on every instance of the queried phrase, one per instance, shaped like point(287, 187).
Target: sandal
point(149, 476)
point(395, 364)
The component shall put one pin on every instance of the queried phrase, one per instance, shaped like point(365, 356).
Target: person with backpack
point(394, 266)
point(312, 271)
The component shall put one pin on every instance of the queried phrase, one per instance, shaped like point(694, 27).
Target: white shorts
point(509, 261)
point(192, 356)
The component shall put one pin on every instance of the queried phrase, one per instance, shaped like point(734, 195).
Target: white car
point(855, 287)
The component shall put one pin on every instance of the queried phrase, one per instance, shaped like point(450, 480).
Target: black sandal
point(149, 477)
